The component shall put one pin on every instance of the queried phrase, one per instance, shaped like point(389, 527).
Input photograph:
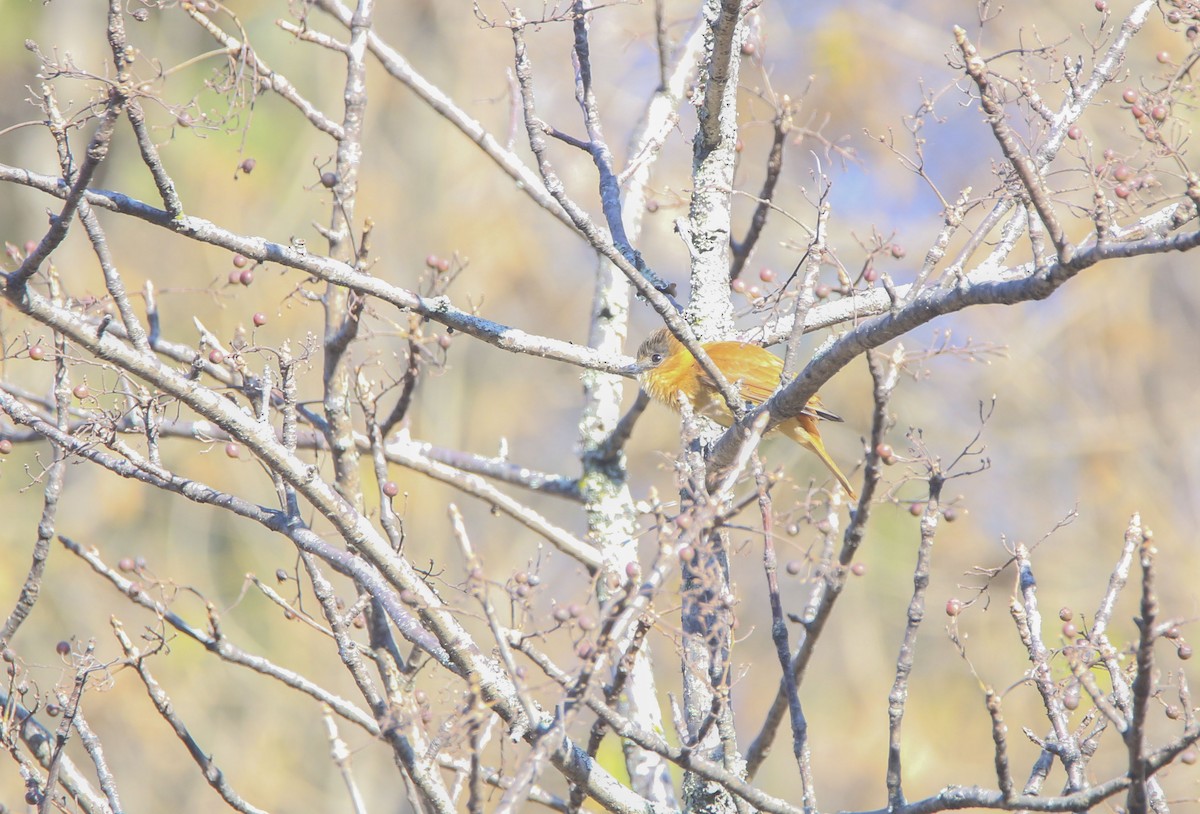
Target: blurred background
point(1095, 390)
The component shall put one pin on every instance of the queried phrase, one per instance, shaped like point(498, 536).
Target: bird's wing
point(756, 374)
point(754, 371)
point(816, 409)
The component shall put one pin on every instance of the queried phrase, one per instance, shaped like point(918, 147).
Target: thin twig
point(162, 702)
point(1137, 801)
point(904, 661)
point(1027, 615)
point(783, 649)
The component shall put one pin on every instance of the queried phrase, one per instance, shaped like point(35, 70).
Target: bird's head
point(654, 350)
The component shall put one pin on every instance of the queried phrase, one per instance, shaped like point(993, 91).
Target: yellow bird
point(665, 367)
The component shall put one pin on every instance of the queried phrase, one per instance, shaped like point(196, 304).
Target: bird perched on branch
point(666, 368)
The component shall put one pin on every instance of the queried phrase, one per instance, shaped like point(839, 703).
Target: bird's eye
point(656, 358)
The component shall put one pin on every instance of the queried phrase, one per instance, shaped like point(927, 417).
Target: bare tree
point(492, 686)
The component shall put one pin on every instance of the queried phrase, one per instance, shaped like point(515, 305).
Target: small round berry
point(560, 615)
point(247, 166)
point(738, 146)
point(1188, 757)
point(1121, 191)
point(30, 246)
point(81, 391)
point(260, 319)
point(281, 575)
point(1123, 172)
point(1184, 652)
point(822, 291)
point(216, 356)
point(1130, 96)
point(916, 509)
point(390, 488)
point(1065, 614)
point(1109, 153)
point(1163, 57)
point(1173, 712)
point(683, 521)
point(767, 275)
point(1101, 6)
point(687, 554)
point(1173, 16)
point(950, 514)
point(953, 607)
point(584, 650)
point(748, 49)
point(794, 567)
point(1075, 133)
point(37, 353)
point(1069, 630)
point(233, 450)
point(6, 446)
point(9, 656)
point(1172, 632)
point(1071, 697)
point(127, 565)
point(62, 648)
point(1138, 112)
point(409, 597)
point(575, 609)
point(240, 261)
point(1158, 113)
point(444, 341)
point(754, 291)
point(898, 251)
point(858, 568)
point(431, 260)
point(246, 277)
point(443, 265)
point(738, 285)
point(235, 277)
point(329, 180)
point(871, 274)
point(587, 623)
point(651, 206)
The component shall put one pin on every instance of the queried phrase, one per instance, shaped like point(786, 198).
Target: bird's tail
point(803, 430)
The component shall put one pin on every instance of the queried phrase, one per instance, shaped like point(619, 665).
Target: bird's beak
point(633, 371)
